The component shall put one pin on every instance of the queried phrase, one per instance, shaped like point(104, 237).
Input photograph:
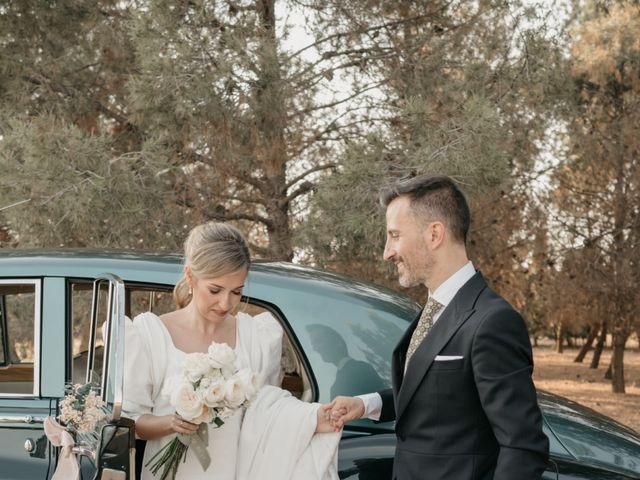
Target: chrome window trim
point(114, 334)
point(37, 319)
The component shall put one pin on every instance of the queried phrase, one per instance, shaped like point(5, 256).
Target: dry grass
point(559, 374)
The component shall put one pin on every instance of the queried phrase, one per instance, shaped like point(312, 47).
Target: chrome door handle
point(29, 445)
point(21, 419)
point(85, 451)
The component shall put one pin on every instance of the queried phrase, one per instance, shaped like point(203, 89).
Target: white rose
point(215, 374)
point(206, 416)
point(221, 355)
point(248, 382)
point(204, 384)
point(214, 394)
point(186, 401)
point(234, 393)
point(225, 413)
point(196, 366)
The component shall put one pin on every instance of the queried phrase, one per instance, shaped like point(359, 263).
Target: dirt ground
point(558, 373)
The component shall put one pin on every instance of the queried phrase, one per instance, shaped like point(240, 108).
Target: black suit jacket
point(474, 418)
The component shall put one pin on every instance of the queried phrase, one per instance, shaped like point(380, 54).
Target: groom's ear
point(435, 234)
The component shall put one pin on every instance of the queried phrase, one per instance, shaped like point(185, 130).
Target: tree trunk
point(620, 213)
point(560, 337)
point(593, 333)
point(272, 124)
point(607, 374)
point(617, 362)
point(280, 246)
point(602, 340)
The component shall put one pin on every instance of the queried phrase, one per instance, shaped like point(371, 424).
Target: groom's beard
point(413, 271)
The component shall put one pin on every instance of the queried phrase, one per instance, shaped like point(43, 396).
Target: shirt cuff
point(372, 405)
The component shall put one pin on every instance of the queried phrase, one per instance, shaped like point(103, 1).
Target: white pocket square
point(447, 358)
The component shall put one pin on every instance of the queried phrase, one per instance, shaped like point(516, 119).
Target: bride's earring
point(190, 291)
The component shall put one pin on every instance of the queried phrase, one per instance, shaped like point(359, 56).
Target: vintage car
point(54, 305)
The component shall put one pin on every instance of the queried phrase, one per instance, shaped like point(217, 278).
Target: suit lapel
point(451, 319)
point(398, 355)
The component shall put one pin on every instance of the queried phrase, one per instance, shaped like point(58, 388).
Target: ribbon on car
point(68, 468)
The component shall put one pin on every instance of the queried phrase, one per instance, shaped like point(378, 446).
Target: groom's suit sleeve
point(388, 412)
point(502, 367)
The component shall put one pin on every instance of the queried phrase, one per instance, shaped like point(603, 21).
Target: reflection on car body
point(339, 335)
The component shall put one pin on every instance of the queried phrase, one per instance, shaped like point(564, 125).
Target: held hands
point(345, 409)
point(180, 425)
point(332, 416)
point(324, 424)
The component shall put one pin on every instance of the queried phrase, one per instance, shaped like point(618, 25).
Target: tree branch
point(337, 102)
point(6, 207)
point(239, 199)
point(317, 168)
point(116, 116)
point(227, 216)
point(235, 7)
point(301, 190)
point(61, 89)
point(365, 31)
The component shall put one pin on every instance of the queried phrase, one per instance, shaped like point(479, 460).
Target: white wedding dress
point(151, 358)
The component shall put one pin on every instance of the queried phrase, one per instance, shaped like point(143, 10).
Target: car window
point(154, 299)
point(295, 377)
point(81, 297)
point(159, 299)
point(19, 319)
point(349, 341)
point(138, 299)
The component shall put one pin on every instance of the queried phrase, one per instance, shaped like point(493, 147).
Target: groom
point(463, 399)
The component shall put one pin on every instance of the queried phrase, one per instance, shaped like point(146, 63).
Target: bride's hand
point(324, 424)
point(180, 425)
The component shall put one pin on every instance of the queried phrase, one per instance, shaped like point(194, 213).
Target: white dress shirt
point(443, 295)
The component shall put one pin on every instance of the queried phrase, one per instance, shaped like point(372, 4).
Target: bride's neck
point(196, 322)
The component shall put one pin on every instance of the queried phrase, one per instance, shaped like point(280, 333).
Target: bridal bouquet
point(209, 389)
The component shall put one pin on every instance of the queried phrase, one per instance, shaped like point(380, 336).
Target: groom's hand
point(346, 409)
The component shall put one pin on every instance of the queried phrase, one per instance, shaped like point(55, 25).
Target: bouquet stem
point(170, 457)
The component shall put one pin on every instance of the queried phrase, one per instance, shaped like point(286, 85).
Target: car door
point(115, 454)
point(101, 363)
point(24, 452)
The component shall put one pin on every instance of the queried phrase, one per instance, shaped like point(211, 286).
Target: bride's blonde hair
point(211, 250)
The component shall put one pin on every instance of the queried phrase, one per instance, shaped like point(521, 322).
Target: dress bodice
point(151, 359)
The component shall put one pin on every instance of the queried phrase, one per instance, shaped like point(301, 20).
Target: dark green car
point(339, 334)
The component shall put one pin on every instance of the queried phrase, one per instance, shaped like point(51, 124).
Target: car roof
point(166, 268)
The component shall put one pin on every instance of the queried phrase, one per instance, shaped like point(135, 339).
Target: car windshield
point(591, 437)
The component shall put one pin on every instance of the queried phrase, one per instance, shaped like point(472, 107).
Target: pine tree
point(598, 185)
point(465, 89)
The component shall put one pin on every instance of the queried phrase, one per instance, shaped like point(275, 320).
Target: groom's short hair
point(433, 197)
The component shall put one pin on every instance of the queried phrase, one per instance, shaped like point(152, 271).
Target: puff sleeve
point(270, 333)
point(142, 372)
point(261, 341)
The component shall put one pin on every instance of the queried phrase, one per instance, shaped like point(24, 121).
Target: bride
point(216, 264)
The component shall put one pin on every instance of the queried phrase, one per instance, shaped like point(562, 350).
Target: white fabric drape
point(277, 441)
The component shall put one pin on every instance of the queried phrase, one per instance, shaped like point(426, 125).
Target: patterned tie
point(424, 325)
